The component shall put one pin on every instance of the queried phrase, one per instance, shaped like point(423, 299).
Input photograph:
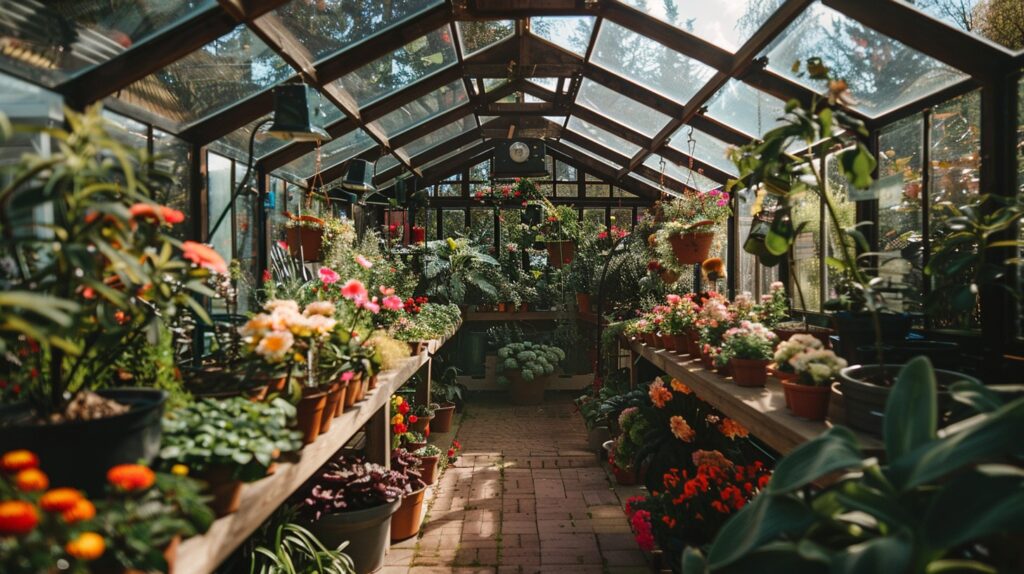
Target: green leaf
point(958, 567)
point(767, 517)
point(858, 165)
point(975, 505)
point(693, 561)
point(911, 412)
point(889, 554)
point(855, 495)
point(975, 395)
point(835, 449)
point(825, 120)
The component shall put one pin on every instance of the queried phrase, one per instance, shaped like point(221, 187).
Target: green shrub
point(532, 360)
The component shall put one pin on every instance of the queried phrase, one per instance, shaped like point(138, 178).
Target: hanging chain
point(661, 179)
point(691, 147)
point(317, 181)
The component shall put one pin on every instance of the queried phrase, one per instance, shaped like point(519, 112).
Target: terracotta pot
point(335, 394)
point(310, 413)
point(807, 401)
point(749, 372)
point(583, 301)
point(421, 425)
point(773, 370)
point(560, 253)
point(681, 344)
point(523, 392)
point(691, 248)
point(345, 388)
point(707, 360)
point(225, 489)
point(501, 307)
point(443, 418)
point(428, 468)
point(668, 342)
point(524, 308)
point(311, 240)
point(277, 385)
point(414, 446)
point(353, 392)
point(407, 521)
point(724, 370)
point(624, 477)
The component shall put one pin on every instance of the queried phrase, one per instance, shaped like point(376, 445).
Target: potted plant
point(747, 350)
point(228, 442)
point(690, 224)
point(627, 445)
point(807, 395)
point(525, 367)
point(559, 231)
point(454, 271)
point(296, 550)
point(312, 239)
point(430, 461)
point(406, 521)
point(679, 319)
point(413, 440)
point(447, 392)
point(353, 500)
point(781, 368)
point(81, 294)
point(714, 318)
point(420, 417)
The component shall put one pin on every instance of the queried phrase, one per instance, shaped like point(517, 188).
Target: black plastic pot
point(864, 401)
point(367, 531)
point(79, 453)
point(942, 354)
point(857, 330)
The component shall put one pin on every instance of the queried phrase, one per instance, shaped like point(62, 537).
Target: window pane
point(449, 155)
point(595, 216)
point(846, 212)
point(622, 217)
point(745, 108)
point(453, 222)
point(569, 32)
point(565, 172)
point(245, 242)
point(883, 74)
point(481, 222)
point(598, 190)
point(388, 74)
point(549, 84)
point(620, 108)
point(725, 23)
point(479, 34)
point(996, 21)
point(899, 207)
point(586, 153)
point(440, 135)
point(127, 131)
point(329, 26)
point(603, 137)
point(648, 62)
point(339, 149)
point(218, 186)
point(807, 255)
point(56, 40)
point(422, 109)
point(680, 173)
point(222, 73)
point(432, 224)
point(481, 172)
point(172, 158)
point(449, 189)
point(706, 148)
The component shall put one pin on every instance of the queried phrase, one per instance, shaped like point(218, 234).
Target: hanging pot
point(749, 372)
point(310, 240)
point(560, 253)
point(691, 248)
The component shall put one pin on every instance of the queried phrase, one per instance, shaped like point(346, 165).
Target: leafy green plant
point(531, 360)
point(237, 433)
point(296, 550)
point(560, 223)
point(941, 502)
point(455, 271)
point(446, 388)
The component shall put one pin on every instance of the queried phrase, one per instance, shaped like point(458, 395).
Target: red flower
point(156, 212)
point(204, 256)
point(413, 418)
point(17, 518)
point(451, 452)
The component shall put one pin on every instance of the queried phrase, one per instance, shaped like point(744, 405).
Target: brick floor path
point(526, 497)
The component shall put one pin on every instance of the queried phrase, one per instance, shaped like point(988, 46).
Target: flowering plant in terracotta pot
point(712, 321)
point(795, 345)
point(748, 350)
point(808, 395)
point(691, 222)
point(773, 308)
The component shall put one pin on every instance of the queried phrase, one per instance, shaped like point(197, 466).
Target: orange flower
point(682, 429)
point(659, 395)
point(16, 460)
point(130, 477)
point(82, 510)
point(88, 546)
point(31, 480)
point(150, 211)
point(204, 256)
point(60, 499)
point(714, 268)
point(733, 429)
point(680, 387)
point(17, 518)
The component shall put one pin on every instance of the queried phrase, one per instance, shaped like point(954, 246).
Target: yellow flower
point(451, 244)
point(179, 470)
point(88, 546)
point(399, 400)
point(397, 419)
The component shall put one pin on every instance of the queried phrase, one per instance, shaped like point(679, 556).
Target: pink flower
point(282, 245)
point(353, 289)
point(673, 298)
point(328, 275)
point(722, 202)
point(386, 290)
point(369, 305)
point(347, 376)
point(363, 262)
point(393, 303)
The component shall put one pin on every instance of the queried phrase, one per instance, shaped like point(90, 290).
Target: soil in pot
point(807, 401)
point(526, 393)
point(560, 253)
point(79, 453)
point(335, 393)
point(443, 418)
point(749, 372)
point(225, 489)
point(691, 248)
point(407, 521)
point(428, 468)
point(310, 412)
point(368, 532)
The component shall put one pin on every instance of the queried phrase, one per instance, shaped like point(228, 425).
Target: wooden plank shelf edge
point(203, 554)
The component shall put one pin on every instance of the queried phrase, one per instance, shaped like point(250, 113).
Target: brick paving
point(527, 497)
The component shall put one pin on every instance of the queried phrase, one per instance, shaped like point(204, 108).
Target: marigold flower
point(733, 429)
point(16, 460)
point(179, 470)
point(60, 499)
point(82, 510)
point(204, 256)
point(31, 480)
point(17, 518)
point(680, 387)
point(681, 429)
point(87, 546)
point(131, 477)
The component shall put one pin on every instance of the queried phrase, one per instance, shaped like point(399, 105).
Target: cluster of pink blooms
point(640, 522)
point(722, 197)
point(354, 290)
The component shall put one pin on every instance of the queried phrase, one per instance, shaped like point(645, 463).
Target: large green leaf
point(912, 409)
point(975, 505)
point(855, 495)
point(693, 561)
point(858, 165)
point(975, 395)
point(888, 554)
point(835, 449)
point(779, 558)
point(768, 517)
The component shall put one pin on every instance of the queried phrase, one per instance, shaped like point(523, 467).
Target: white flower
point(281, 305)
point(275, 345)
point(325, 308)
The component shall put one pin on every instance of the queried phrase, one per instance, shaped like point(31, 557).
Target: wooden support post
point(378, 436)
point(633, 357)
point(424, 383)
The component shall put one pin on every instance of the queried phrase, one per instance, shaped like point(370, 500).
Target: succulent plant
point(532, 360)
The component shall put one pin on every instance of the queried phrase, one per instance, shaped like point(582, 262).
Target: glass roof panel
point(549, 84)
point(236, 143)
point(995, 21)
point(423, 108)
point(588, 153)
point(656, 185)
point(603, 137)
point(571, 33)
point(707, 149)
point(485, 119)
point(649, 63)
point(224, 72)
point(416, 147)
point(385, 162)
point(50, 42)
point(491, 83)
point(326, 27)
point(333, 152)
point(680, 173)
point(620, 108)
point(481, 34)
point(27, 102)
point(448, 155)
point(883, 74)
point(724, 23)
point(387, 74)
point(745, 108)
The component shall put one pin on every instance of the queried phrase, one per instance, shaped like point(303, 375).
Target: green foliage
point(559, 223)
point(455, 271)
point(434, 321)
point(531, 360)
point(635, 427)
point(296, 550)
point(939, 502)
point(446, 388)
point(237, 433)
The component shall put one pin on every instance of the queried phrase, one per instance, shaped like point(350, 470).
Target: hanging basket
point(691, 248)
point(310, 239)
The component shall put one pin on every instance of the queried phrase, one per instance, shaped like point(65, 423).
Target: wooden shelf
point(761, 410)
point(203, 554)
